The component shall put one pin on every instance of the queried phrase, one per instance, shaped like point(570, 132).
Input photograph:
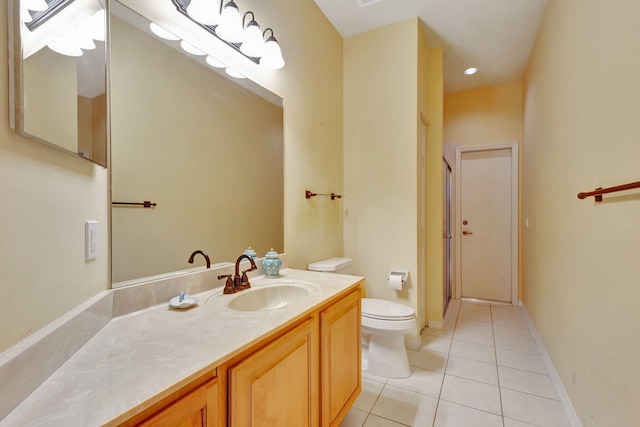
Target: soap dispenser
point(272, 264)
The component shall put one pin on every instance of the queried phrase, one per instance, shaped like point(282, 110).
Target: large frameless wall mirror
point(205, 149)
point(57, 59)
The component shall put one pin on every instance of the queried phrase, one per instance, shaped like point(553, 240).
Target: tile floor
point(482, 370)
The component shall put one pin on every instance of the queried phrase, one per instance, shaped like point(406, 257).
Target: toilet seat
point(386, 310)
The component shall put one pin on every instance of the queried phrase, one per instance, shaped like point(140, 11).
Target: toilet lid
point(386, 310)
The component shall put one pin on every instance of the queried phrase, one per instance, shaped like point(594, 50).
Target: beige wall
point(430, 104)
point(311, 85)
point(581, 131)
point(486, 116)
point(382, 111)
point(47, 195)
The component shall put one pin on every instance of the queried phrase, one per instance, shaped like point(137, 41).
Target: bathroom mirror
point(57, 62)
point(206, 150)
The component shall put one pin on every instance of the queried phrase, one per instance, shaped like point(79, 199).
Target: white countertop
point(157, 350)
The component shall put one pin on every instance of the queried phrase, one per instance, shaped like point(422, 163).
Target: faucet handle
point(244, 281)
point(228, 286)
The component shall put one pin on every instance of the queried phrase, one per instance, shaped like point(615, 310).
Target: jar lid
point(272, 254)
point(250, 252)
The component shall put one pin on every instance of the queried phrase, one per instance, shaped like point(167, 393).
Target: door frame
point(513, 146)
point(448, 248)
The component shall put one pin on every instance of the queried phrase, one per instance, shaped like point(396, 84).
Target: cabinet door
point(340, 358)
point(197, 408)
point(278, 384)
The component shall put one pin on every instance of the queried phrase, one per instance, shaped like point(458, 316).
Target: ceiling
point(495, 36)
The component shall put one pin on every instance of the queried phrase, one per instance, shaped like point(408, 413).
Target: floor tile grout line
point(525, 370)
point(532, 394)
point(495, 353)
point(472, 407)
point(446, 365)
point(374, 403)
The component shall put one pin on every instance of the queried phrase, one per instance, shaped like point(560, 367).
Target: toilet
point(384, 325)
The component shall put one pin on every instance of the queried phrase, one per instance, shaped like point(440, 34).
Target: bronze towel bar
point(146, 203)
point(598, 192)
point(308, 194)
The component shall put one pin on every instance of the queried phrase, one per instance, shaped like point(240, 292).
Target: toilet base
point(386, 356)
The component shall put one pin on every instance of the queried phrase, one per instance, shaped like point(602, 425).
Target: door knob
point(465, 232)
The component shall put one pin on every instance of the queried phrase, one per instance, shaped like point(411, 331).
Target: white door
point(486, 223)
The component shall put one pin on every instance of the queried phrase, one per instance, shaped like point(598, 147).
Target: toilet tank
point(332, 265)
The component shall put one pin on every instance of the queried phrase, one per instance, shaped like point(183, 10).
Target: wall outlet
point(91, 240)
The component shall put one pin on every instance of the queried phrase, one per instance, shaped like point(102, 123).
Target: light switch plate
point(91, 240)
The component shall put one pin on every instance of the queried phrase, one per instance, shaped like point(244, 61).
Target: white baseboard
point(436, 324)
point(555, 377)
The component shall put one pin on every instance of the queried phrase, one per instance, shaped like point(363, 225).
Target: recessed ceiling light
point(470, 71)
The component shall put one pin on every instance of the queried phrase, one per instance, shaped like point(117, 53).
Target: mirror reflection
point(206, 150)
point(59, 73)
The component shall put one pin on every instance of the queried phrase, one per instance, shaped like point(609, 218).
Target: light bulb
point(36, 5)
point(230, 27)
point(97, 25)
point(272, 57)
point(214, 62)
point(234, 73)
point(253, 44)
point(161, 32)
point(65, 46)
point(92, 27)
point(204, 11)
point(26, 16)
point(83, 42)
point(188, 47)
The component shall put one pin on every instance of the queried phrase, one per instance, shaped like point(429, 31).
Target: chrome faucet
point(242, 282)
point(204, 254)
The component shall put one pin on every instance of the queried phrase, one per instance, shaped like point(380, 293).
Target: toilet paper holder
point(403, 274)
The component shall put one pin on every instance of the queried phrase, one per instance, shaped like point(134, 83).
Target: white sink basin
point(268, 298)
point(264, 297)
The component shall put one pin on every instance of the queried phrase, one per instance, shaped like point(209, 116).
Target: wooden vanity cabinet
point(198, 408)
point(277, 385)
point(310, 376)
point(341, 358)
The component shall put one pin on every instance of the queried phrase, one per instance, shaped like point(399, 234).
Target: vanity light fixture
point(232, 28)
point(67, 33)
point(81, 36)
point(471, 71)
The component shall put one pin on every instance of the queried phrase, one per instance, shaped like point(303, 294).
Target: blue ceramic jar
point(272, 264)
